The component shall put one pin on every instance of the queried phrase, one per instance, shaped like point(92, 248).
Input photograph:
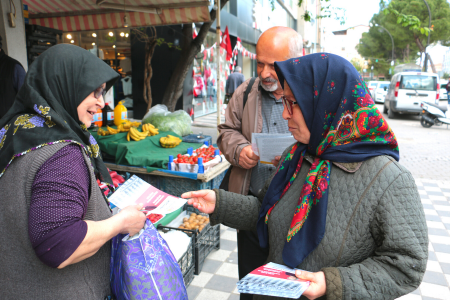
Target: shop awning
point(79, 15)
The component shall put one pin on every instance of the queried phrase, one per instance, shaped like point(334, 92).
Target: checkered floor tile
point(219, 275)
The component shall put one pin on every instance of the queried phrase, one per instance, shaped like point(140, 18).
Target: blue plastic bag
point(145, 268)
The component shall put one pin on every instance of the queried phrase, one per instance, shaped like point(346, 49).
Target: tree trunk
point(423, 49)
point(148, 73)
point(407, 52)
point(191, 47)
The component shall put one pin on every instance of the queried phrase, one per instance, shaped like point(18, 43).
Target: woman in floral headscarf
point(55, 222)
point(340, 206)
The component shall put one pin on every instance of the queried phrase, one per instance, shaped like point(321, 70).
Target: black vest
point(7, 91)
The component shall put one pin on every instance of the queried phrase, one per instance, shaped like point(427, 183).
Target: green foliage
point(413, 15)
point(410, 21)
point(446, 76)
point(404, 20)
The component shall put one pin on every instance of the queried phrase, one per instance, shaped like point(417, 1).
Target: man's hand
point(317, 287)
point(248, 159)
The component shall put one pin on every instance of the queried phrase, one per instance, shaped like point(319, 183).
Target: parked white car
point(380, 91)
point(408, 89)
point(371, 85)
point(443, 91)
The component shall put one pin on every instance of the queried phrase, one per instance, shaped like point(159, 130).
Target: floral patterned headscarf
point(345, 126)
point(45, 109)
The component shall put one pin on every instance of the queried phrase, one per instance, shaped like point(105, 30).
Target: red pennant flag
point(205, 55)
point(226, 43)
point(239, 39)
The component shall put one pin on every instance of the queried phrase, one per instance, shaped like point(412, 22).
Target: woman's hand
point(203, 200)
point(133, 219)
point(276, 160)
point(318, 286)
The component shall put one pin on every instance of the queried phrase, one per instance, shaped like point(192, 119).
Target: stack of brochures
point(273, 280)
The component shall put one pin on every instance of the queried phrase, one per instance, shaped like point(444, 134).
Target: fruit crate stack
point(39, 39)
point(187, 261)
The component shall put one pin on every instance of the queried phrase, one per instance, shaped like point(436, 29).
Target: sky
point(360, 14)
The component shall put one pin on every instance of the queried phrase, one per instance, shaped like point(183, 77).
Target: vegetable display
point(178, 121)
point(154, 217)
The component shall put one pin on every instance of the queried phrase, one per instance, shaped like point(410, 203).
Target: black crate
point(187, 261)
point(206, 240)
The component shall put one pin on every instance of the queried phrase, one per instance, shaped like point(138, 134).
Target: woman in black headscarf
point(55, 222)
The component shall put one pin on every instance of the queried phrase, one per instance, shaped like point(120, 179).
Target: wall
point(13, 38)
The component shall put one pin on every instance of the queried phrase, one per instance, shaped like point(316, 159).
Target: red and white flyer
point(273, 280)
point(135, 191)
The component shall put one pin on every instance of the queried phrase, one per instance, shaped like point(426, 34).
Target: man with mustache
point(262, 113)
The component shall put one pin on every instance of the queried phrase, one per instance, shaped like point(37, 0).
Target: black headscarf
point(45, 109)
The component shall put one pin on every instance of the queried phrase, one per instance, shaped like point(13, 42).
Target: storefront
point(105, 30)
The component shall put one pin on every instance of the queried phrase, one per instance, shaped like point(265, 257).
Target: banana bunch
point(126, 125)
point(136, 135)
point(112, 130)
point(169, 141)
point(152, 130)
point(102, 132)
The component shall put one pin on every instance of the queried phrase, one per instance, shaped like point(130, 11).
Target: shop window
point(231, 7)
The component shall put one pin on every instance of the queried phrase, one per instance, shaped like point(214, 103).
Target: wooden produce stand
point(203, 242)
point(174, 184)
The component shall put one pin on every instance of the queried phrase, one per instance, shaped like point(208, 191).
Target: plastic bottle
point(120, 113)
point(98, 118)
point(108, 116)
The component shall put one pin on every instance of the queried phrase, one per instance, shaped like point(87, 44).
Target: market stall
point(160, 164)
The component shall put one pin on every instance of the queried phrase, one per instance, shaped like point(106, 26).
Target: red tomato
point(179, 155)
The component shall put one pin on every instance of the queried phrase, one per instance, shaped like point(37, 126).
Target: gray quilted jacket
point(376, 240)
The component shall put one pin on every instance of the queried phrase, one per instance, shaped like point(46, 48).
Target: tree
point(412, 14)
point(191, 47)
point(376, 45)
point(151, 40)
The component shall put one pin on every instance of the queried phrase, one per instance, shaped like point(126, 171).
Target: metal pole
point(217, 4)
point(392, 40)
point(428, 39)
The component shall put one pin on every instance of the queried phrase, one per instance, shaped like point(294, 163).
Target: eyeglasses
point(288, 104)
point(99, 92)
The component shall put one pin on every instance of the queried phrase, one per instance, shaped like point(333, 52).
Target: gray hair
point(238, 69)
point(295, 46)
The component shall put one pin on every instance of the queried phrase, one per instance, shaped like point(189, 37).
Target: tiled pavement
point(219, 275)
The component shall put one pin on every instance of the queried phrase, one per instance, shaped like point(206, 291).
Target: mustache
point(269, 79)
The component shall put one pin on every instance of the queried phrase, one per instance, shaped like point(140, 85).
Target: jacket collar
point(347, 167)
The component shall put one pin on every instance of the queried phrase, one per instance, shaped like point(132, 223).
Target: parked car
point(443, 91)
point(380, 91)
point(371, 85)
point(408, 89)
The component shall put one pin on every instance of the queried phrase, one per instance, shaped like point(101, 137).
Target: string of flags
point(225, 45)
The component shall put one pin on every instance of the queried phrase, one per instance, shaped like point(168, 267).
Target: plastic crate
point(206, 241)
point(187, 261)
point(192, 138)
